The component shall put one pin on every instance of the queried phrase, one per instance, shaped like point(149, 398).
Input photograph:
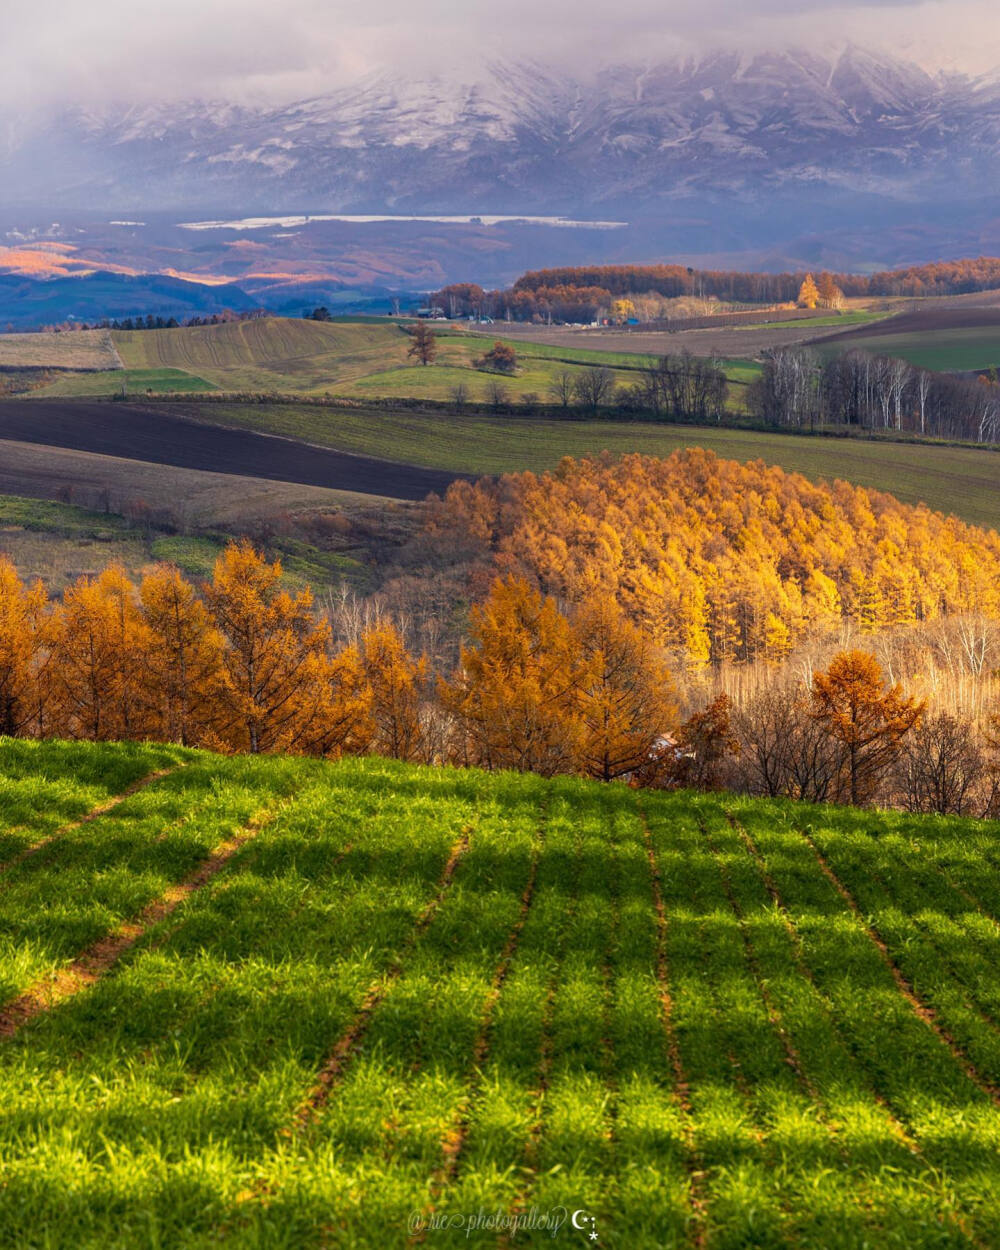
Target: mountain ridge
point(531, 138)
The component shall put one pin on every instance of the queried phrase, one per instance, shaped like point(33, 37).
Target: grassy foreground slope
point(277, 1002)
point(959, 480)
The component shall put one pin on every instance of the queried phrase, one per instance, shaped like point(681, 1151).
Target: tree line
point(578, 293)
point(151, 321)
point(243, 665)
point(872, 392)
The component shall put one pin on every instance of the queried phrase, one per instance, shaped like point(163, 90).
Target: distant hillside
point(27, 303)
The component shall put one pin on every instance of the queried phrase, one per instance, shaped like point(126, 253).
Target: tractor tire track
point(332, 1072)
point(102, 809)
point(102, 956)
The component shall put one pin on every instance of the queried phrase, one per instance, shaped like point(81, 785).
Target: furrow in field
point(897, 1127)
point(455, 1138)
point(339, 1058)
point(858, 1072)
point(105, 953)
point(927, 1014)
point(773, 1014)
point(536, 1114)
point(95, 813)
point(954, 956)
point(682, 1088)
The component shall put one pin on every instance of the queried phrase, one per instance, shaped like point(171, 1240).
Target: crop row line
point(454, 1140)
point(95, 813)
point(682, 1087)
point(901, 1133)
point(102, 956)
point(805, 971)
point(337, 1062)
point(925, 1012)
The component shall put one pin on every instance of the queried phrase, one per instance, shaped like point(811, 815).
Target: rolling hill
point(271, 1001)
point(362, 359)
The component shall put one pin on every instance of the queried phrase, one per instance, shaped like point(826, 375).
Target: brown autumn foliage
point(605, 597)
point(719, 561)
point(424, 344)
point(867, 719)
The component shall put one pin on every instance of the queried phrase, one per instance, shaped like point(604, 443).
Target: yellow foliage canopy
point(719, 560)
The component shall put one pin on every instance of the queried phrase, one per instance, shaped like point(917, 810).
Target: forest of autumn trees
point(244, 665)
point(609, 600)
point(577, 293)
point(719, 561)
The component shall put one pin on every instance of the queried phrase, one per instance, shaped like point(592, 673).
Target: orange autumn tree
point(514, 694)
point(334, 706)
point(396, 681)
point(275, 656)
point(867, 720)
point(624, 700)
point(185, 657)
point(100, 675)
point(22, 611)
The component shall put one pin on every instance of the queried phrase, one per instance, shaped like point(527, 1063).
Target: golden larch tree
point(808, 293)
point(101, 645)
point(275, 653)
point(867, 719)
point(186, 673)
point(22, 625)
point(625, 695)
point(514, 694)
point(397, 683)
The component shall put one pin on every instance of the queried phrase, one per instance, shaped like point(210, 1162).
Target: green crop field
point(57, 543)
point(946, 350)
point(959, 480)
point(279, 1002)
point(131, 382)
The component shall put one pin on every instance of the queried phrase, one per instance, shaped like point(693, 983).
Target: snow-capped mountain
point(628, 140)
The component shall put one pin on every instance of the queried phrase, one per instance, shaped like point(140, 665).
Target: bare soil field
point(134, 433)
point(923, 321)
point(748, 342)
point(82, 349)
point(198, 498)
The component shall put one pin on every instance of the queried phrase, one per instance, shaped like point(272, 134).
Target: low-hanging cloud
point(66, 52)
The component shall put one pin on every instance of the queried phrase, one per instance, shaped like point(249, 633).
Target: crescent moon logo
point(573, 1218)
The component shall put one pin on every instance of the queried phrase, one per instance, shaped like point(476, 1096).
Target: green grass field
point(959, 480)
point(134, 383)
point(282, 1003)
point(943, 350)
point(57, 542)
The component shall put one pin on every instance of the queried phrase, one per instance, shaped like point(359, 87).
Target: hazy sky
point(284, 49)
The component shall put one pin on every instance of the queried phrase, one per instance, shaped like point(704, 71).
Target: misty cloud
point(261, 50)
